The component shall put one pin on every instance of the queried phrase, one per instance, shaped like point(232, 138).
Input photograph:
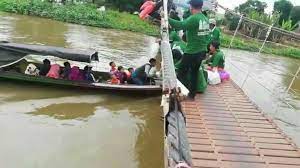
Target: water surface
point(67, 128)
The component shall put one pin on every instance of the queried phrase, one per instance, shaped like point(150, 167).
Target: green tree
point(126, 5)
point(252, 5)
point(283, 7)
point(295, 14)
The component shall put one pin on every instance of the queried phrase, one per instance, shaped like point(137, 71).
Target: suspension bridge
point(222, 128)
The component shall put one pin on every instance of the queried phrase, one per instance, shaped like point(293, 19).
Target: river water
point(52, 127)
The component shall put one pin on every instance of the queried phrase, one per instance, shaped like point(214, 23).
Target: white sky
point(231, 4)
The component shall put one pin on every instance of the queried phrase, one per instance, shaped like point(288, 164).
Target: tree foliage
point(252, 5)
point(288, 25)
point(283, 7)
point(126, 5)
point(295, 14)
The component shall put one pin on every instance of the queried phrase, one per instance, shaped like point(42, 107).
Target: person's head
point(112, 64)
point(196, 6)
point(212, 23)
point(86, 69)
point(214, 46)
point(120, 68)
point(67, 65)
point(46, 62)
point(152, 62)
point(130, 70)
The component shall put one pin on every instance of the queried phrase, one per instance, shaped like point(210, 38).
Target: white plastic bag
point(213, 77)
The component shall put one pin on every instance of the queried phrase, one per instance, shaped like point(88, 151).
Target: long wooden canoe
point(125, 88)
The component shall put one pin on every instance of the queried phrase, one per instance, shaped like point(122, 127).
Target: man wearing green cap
point(197, 39)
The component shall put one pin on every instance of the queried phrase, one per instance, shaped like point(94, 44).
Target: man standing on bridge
point(197, 33)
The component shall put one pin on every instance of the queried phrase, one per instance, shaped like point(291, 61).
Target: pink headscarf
point(54, 71)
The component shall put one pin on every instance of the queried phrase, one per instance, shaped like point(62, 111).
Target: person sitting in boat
point(54, 71)
point(87, 74)
point(113, 67)
point(45, 67)
point(75, 74)
point(32, 70)
point(66, 70)
point(121, 75)
point(129, 74)
point(114, 80)
point(141, 75)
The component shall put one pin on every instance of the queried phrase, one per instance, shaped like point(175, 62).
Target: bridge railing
point(268, 93)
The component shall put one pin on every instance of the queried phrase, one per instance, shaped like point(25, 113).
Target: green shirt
point(215, 34)
point(197, 32)
point(177, 42)
point(217, 60)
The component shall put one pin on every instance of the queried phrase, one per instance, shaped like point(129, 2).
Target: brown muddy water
point(65, 128)
point(52, 127)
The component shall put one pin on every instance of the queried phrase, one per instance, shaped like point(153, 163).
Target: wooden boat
point(13, 55)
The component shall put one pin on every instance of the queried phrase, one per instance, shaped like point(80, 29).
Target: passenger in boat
point(121, 75)
point(54, 71)
point(129, 73)
point(45, 67)
point(113, 67)
point(32, 70)
point(217, 61)
point(87, 74)
point(66, 70)
point(141, 75)
point(114, 80)
point(75, 74)
point(197, 36)
point(215, 34)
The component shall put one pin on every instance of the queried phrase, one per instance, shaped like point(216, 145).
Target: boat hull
point(149, 90)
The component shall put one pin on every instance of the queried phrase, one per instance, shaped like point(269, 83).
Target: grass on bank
point(83, 14)
point(254, 46)
point(86, 14)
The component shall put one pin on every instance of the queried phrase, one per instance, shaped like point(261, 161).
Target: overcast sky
point(231, 4)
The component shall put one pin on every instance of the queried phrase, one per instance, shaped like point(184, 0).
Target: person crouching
point(141, 75)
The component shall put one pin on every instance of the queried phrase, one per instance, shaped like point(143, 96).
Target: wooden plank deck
point(226, 130)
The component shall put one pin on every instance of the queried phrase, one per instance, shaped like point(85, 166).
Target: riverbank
point(83, 14)
point(254, 46)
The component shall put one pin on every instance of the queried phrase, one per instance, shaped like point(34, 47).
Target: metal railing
point(287, 91)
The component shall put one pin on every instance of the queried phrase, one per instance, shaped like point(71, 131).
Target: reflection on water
point(44, 126)
point(67, 111)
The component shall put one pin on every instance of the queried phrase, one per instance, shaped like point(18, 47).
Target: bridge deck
point(226, 130)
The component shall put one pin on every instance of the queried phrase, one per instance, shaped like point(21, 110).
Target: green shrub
point(85, 14)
